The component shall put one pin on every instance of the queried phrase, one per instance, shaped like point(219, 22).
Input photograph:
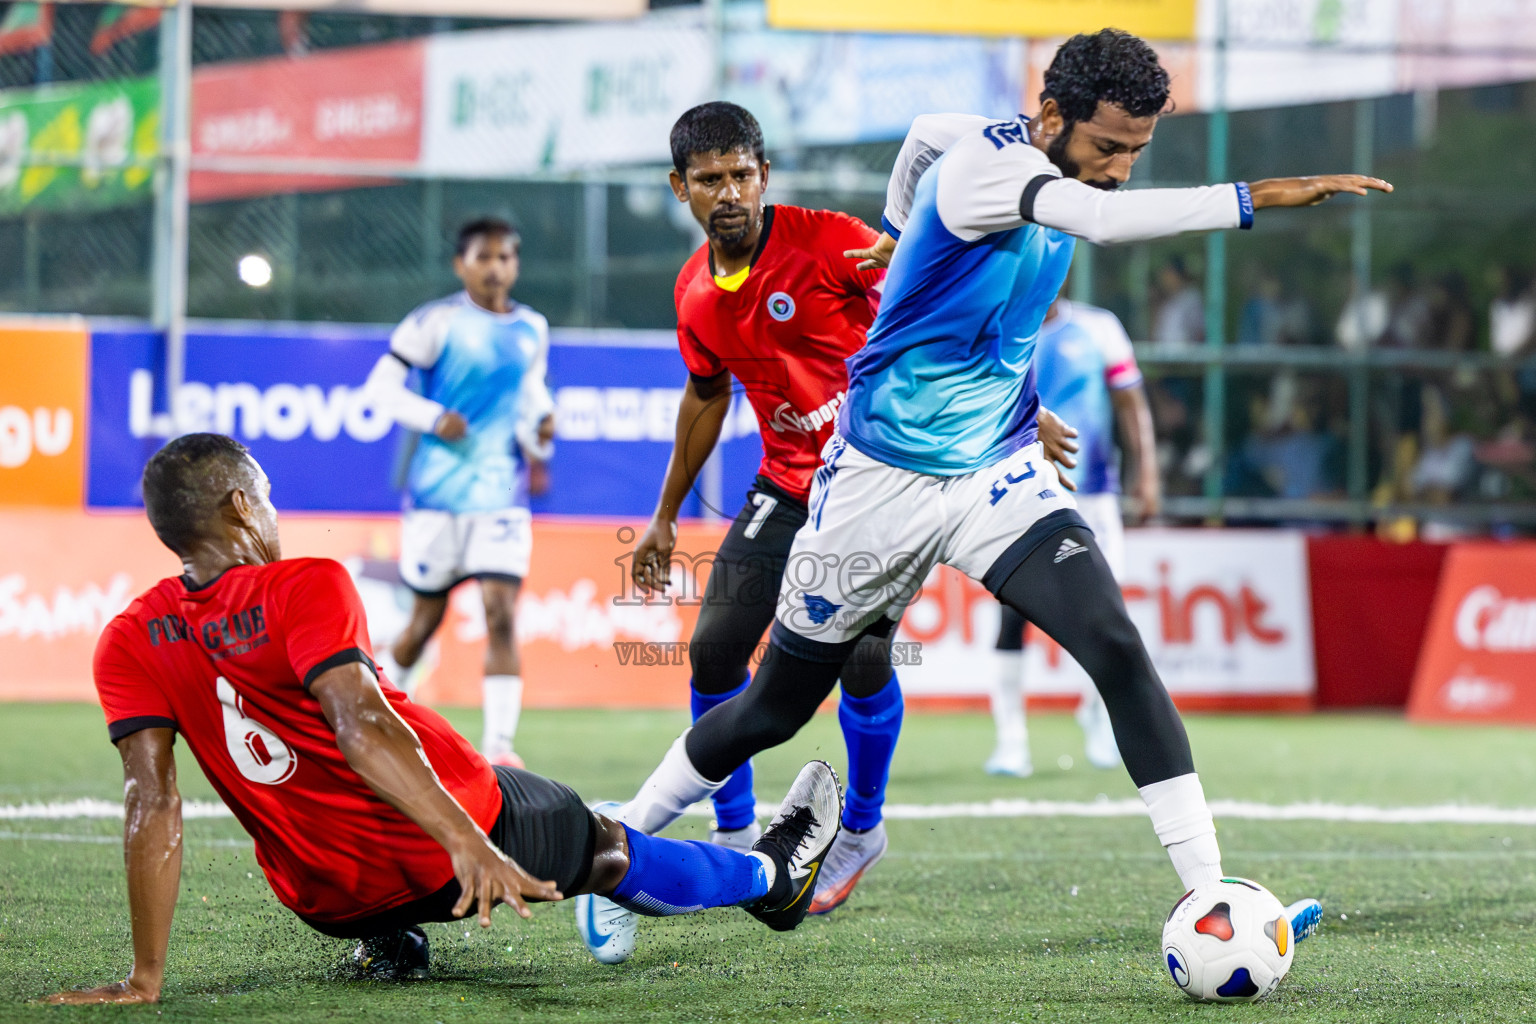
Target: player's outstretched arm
point(706, 400)
point(1107, 218)
point(152, 854)
point(386, 752)
point(1314, 189)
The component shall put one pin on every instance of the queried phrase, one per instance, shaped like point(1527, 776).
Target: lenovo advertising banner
point(1478, 662)
point(1225, 615)
point(295, 396)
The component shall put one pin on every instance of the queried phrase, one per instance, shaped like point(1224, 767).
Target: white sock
point(1184, 826)
point(1008, 701)
point(769, 867)
point(502, 699)
point(673, 787)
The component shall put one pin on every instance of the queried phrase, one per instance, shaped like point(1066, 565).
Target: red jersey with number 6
point(785, 332)
point(228, 666)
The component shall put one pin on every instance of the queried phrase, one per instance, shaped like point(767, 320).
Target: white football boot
point(797, 841)
point(853, 853)
point(607, 928)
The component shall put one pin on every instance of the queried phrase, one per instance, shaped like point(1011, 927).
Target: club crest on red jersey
point(780, 306)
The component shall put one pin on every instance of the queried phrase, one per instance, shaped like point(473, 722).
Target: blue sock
point(735, 803)
point(669, 876)
point(870, 727)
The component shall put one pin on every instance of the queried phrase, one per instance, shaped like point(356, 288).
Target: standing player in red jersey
point(369, 813)
point(771, 300)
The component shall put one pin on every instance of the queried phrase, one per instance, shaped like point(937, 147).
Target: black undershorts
point(543, 826)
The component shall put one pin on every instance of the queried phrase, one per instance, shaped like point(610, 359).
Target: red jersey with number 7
point(785, 331)
point(228, 666)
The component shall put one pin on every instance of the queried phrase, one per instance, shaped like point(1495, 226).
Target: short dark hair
point(485, 227)
point(186, 481)
point(1109, 66)
point(716, 127)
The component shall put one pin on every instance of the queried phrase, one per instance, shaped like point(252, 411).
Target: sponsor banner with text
point(505, 101)
point(1478, 661)
point(295, 396)
point(79, 145)
point(362, 103)
point(587, 639)
point(42, 413)
point(1155, 19)
point(1225, 615)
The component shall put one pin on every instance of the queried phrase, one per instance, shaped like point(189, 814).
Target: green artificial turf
point(1051, 919)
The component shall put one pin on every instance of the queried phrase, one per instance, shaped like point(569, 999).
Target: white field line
point(1230, 810)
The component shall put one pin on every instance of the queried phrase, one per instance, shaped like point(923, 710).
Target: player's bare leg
point(502, 694)
point(426, 615)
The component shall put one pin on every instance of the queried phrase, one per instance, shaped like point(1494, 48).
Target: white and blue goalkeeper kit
point(466, 501)
point(936, 457)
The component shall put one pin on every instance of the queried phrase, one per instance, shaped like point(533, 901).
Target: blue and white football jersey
point(489, 368)
point(945, 385)
point(1082, 355)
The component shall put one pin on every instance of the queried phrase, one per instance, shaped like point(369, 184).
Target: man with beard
point(770, 299)
point(936, 457)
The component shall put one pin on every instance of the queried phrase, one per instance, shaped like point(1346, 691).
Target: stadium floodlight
point(255, 270)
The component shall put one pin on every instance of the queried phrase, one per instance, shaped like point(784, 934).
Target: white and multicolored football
point(1228, 942)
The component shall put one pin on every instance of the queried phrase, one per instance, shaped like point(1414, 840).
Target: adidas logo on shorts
point(1069, 547)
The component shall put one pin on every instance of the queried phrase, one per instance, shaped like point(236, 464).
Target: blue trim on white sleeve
point(1244, 206)
point(890, 228)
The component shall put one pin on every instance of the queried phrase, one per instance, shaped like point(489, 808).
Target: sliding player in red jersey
point(369, 813)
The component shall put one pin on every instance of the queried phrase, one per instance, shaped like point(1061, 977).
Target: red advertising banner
point(350, 104)
point(588, 640)
point(1478, 662)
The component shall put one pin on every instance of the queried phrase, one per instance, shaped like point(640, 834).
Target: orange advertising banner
point(588, 639)
point(1478, 662)
point(42, 413)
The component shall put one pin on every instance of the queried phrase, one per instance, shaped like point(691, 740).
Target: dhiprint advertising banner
point(1226, 616)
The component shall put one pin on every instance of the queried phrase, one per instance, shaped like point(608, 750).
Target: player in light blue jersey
point(937, 459)
point(1087, 375)
point(485, 416)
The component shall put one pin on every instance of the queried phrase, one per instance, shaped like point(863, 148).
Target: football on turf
point(1228, 942)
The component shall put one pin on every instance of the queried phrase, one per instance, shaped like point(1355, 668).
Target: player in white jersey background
point(485, 417)
point(1087, 374)
point(937, 460)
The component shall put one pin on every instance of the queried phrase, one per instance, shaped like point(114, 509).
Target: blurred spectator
point(1512, 314)
point(1363, 320)
point(1275, 314)
point(1452, 323)
point(1180, 318)
point(1407, 310)
point(1446, 464)
point(1294, 457)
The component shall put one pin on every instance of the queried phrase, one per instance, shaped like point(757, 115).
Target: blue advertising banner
point(294, 395)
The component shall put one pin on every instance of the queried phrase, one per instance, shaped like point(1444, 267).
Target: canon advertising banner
point(1225, 615)
point(1478, 662)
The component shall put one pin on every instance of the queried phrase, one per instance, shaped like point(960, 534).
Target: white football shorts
point(875, 531)
point(439, 550)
